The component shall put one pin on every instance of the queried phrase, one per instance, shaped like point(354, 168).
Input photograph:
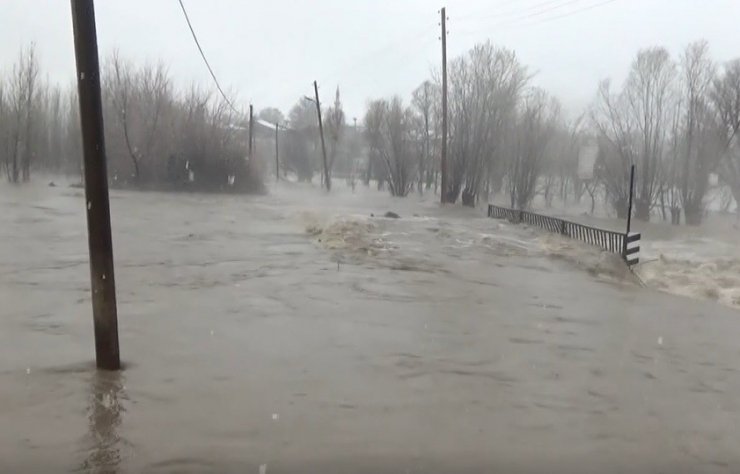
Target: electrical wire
point(205, 60)
point(534, 14)
point(478, 13)
point(517, 22)
point(581, 10)
point(516, 11)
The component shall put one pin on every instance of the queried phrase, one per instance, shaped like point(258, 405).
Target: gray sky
point(270, 51)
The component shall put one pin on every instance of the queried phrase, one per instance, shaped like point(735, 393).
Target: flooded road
point(295, 333)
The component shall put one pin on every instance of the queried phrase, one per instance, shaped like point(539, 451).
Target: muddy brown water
point(436, 343)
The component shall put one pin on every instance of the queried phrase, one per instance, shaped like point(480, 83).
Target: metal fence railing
point(615, 242)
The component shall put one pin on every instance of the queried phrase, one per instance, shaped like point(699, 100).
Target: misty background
point(270, 52)
point(315, 307)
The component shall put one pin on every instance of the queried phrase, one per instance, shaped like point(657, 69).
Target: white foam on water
point(713, 278)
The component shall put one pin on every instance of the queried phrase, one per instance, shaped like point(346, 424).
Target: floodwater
point(294, 333)
point(701, 262)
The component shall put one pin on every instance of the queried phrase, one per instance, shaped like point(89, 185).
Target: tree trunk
point(578, 186)
point(368, 172)
point(642, 210)
point(675, 215)
point(621, 207)
point(453, 193)
point(662, 207)
point(693, 213)
point(468, 198)
point(497, 183)
point(26, 167)
point(15, 172)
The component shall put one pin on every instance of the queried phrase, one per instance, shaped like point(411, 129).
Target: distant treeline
point(158, 135)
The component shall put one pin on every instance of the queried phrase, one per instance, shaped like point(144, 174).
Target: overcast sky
point(270, 51)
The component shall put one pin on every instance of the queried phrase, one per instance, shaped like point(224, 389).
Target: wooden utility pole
point(100, 244)
point(629, 203)
point(277, 156)
point(629, 212)
point(251, 127)
point(443, 164)
point(327, 179)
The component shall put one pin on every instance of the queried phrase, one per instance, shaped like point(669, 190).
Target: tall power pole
point(251, 128)
point(99, 241)
point(443, 164)
point(327, 179)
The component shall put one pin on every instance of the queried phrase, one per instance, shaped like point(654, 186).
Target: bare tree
point(397, 150)
point(561, 164)
point(139, 99)
point(29, 73)
point(373, 125)
point(531, 134)
point(18, 102)
point(634, 125)
point(300, 141)
point(155, 133)
point(72, 134)
point(390, 131)
point(617, 146)
point(423, 105)
point(5, 131)
point(670, 193)
point(155, 97)
point(726, 99)
point(53, 115)
point(571, 138)
point(699, 139)
point(118, 85)
point(485, 88)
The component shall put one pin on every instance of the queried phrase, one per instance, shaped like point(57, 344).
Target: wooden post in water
point(100, 244)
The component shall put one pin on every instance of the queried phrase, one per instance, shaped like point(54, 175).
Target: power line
point(531, 8)
point(205, 60)
point(536, 13)
point(590, 7)
point(477, 13)
point(517, 22)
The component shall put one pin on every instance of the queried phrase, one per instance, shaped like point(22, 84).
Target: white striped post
point(632, 248)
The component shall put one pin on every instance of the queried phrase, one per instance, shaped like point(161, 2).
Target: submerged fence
point(627, 246)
